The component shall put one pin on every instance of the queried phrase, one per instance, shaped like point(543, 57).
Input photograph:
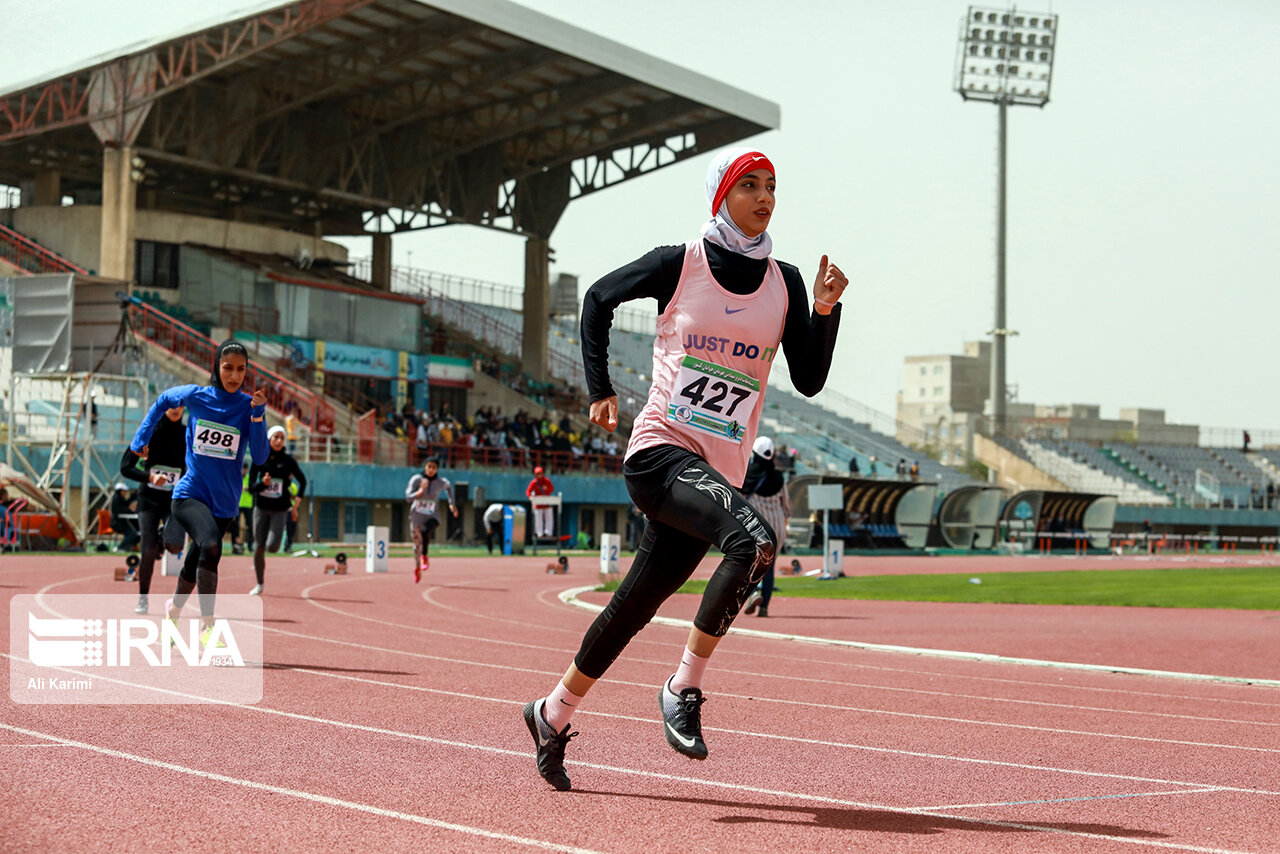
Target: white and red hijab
point(725, 170)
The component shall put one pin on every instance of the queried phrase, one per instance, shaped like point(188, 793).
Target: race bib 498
point(711, 398)
point(216, 440)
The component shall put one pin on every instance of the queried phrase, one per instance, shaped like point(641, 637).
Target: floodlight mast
point(1005, 57)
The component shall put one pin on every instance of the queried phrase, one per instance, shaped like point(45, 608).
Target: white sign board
point(610, 546)
point(375, 549)
point(171, 564)
point(827, 496)
point(833, 564)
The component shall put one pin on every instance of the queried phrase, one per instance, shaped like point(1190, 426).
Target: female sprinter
point(724, 307)
point(207, 496)
point(159, 467)
point(274, 502)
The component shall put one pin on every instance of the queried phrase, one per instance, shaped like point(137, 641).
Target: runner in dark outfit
point(273, 502)
point(164, 461)
point(725, 306)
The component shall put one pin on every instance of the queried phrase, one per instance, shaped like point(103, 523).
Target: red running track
point(391, 721)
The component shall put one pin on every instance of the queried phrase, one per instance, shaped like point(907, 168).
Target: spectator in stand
point(915, 470)
point(901, 469)
point(1271, 495)
point(422, 442)
point(853, 466)
point(871, 467)
point(291, 425)
point(544, 517)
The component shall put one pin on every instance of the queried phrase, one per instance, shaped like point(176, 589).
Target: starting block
point(339, 565)
point(128, 572)
point(560, 567)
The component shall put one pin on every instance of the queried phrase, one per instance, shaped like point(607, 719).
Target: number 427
point(696, 392)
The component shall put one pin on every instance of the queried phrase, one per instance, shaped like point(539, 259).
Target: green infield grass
point(1249, 588)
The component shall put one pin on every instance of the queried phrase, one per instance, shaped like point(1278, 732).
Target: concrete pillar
point(381, 262)
point(537, 300)
point(119, 196)
point(48, 188)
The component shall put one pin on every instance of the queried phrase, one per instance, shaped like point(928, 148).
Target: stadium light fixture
point(1005, 57)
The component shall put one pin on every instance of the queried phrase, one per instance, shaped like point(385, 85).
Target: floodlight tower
point(1006, 58)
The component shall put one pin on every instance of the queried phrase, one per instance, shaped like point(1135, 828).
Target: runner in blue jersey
point(221, 419)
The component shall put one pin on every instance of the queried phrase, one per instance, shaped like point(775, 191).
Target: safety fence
point(26, 254)
point(193, 347)
point(1141, 542)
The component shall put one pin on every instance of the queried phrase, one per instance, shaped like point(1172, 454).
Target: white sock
point(558, 707)
point(689, 675)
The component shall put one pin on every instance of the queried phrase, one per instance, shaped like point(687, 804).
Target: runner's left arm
point(808, 338)
point(258, 447)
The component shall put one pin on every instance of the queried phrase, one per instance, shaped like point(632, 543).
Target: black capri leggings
point(200, 569)
point(701, 508)
point(151, 519)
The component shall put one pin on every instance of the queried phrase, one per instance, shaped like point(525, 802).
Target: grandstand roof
point(373, 115)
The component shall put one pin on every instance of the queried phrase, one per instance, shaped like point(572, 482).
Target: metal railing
point(197, 349)
point(480, 292)
point(26, 254)
point(1233, 437)
point(381, 448)
point(501, 335)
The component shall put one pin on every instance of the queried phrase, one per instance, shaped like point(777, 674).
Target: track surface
point(391, 721)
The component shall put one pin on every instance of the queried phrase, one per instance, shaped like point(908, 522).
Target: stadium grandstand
point(156, 200)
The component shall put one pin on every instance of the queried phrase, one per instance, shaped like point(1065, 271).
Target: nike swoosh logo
point(542, 742)
point(564, 702)
point(728, 310)
point(754, 159)
point(687, 742)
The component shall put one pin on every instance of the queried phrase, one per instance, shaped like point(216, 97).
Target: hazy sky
point(1144, 244)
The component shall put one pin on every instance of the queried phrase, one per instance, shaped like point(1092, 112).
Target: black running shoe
point(550, 748)
point(682, 720)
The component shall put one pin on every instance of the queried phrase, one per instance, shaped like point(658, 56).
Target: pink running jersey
point(711, 361)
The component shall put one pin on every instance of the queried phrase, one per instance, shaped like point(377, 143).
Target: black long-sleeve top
point(282, 467)
point(167, 448)
point(808, 338)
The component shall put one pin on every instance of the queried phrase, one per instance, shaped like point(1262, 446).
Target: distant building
point(944, 401)
point(942, 398)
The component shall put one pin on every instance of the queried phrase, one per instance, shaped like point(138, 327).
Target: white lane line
point(664, 777)
point(825, 682)
point(744, 733)
point(807, 741)
point(802, 703)
point(33, 745)
point(306, 796)
point(571, 597)
point(807, 704)
point(1082, 799)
